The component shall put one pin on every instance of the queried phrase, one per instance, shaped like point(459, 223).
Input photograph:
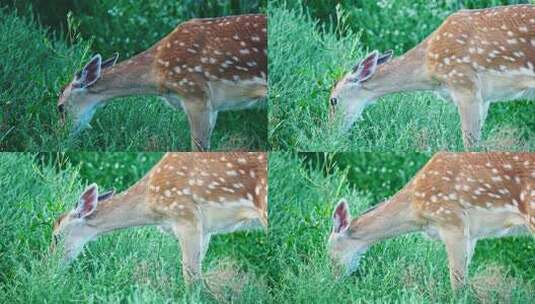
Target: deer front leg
point(205, 244)
point(201, 121)
point(472, 111)
point(191, 245)
point(460, 250)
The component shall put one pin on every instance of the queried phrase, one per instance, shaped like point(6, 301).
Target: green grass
point(307, 56)
point(391, 24)
point(31, 77)
point(126, 26)
point(134, 266)
point(288, 265)
point(151, 20)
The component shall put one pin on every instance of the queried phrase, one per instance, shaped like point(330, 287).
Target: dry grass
point(505, 138)
point(226, 281)
point(493, 285)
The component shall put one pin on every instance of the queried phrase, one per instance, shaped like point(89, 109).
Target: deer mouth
point(83, 118)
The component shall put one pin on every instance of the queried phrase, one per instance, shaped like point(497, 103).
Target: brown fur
point(230, 48)
point(456, 181)
point(181, 179)
point(473, 41)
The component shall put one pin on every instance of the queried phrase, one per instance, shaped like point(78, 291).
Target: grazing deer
point(192, 196)
point(204, 66)
point(457, 197)
point(474, 58)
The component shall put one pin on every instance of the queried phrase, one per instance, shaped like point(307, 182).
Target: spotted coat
point(452, 187)
point(229, 49)
point(183, 182)
point(474, 41)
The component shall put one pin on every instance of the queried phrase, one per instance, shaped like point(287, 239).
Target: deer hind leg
point(472, 111)
point(202, 122)
point(460, 249)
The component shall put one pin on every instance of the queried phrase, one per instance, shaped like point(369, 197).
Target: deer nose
point(61, 108)
point(334, 101)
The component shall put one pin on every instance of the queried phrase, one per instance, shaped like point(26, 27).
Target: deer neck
point(389, 219)
point(126, 209)
point(130, 77)
point(405, 73)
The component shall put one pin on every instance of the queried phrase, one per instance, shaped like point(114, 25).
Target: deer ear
point(385, 57)
point(91, 72)
point(366, 68)
point(341, 217)
point(87, 202)
point(106, 195)
point(110, 61)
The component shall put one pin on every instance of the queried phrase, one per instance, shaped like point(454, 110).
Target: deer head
point(352, 93)
point(72, 229)
point(344, 248)
point(77, 98)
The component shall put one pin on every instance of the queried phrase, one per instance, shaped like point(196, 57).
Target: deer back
point(228, 49)
point(182, 182)
point(453, 182)
point(499, 39)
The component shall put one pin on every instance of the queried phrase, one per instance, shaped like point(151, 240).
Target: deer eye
point(334, 101)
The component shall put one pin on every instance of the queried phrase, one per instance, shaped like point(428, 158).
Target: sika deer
point(457, 197)
point(474, 58)
point(204, 66)
point(190, 195)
